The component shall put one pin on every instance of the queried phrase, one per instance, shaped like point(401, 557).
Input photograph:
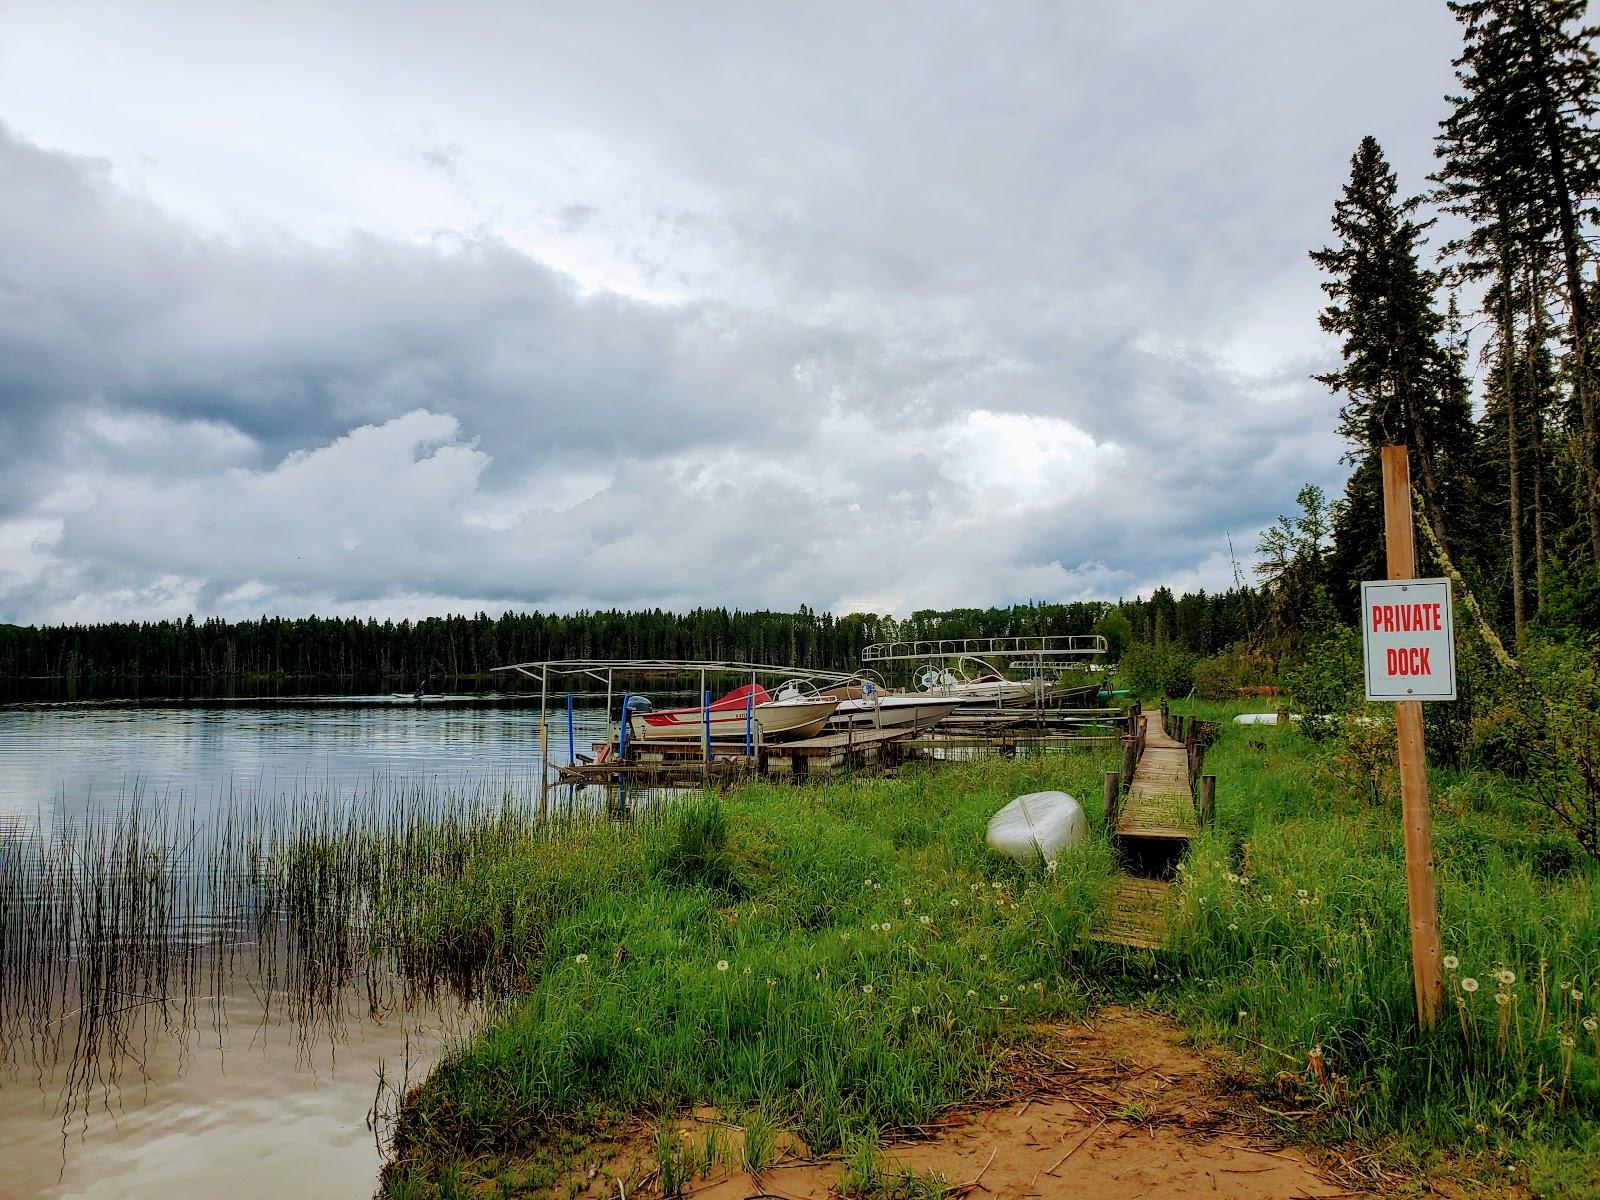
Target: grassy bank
point(845, 959)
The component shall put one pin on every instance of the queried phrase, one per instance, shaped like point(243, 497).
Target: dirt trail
point(1116, 1109)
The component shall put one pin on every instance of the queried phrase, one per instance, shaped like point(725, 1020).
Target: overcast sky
point(404, 308)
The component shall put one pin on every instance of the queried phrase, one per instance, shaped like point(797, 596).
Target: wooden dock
point(1159, 802)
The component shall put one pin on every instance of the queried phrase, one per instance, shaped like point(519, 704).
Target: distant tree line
point(338, 647)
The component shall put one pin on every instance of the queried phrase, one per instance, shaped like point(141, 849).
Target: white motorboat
point(749, 709)
point(871, 707)
point(985, 692)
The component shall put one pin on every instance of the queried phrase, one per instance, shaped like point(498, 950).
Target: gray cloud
point(876, 307)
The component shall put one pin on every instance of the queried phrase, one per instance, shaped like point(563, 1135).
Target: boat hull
point(909, 713)
point(778, 719)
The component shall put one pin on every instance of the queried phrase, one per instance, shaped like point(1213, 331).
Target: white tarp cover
point(1038, 825)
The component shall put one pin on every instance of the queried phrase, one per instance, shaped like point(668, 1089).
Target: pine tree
point(1399, 383)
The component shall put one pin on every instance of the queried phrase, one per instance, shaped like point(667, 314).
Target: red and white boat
point(777, 717)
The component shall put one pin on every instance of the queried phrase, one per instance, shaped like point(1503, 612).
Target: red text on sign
point(1406, 618)
point(1408, 660)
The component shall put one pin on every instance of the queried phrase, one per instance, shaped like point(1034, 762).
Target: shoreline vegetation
point(833, 965)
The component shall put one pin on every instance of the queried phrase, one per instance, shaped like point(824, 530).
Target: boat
point(988, 691)
point(792, 715)
point(868, 706)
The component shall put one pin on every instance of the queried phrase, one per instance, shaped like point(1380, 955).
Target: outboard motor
point(639, 704)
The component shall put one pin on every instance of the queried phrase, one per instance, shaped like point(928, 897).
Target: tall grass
point(1295, 943)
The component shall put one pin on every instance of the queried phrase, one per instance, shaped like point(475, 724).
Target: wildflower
point(1244, 881)
point(877, 887)
point(1050, 867)
point(1302, 893)
point(874, 927)
point(916, 1010)
point(867, 882)
point(997, 885)
point(1232, 878)
point(581, 959)
point(925, 919)
point(1038, 985)
point(1234, 926)
point(747, 970)
point(1314, 1052)
point(1590, 1024)
point(1242, 1014)
point(1506, 978)
point(1576, 995)
point(955, 901)
point(1568, 1041)
point(908, 901)
point(1004, 999)
point(771, 982)
point(886, 926)
point(844, 934)
point(1451, 962)
point(1502, 998)
point(722, 964)
point(866, 989)
point(983, 958)
point(1202, 899)
point(1469, 985)
point(971, 994)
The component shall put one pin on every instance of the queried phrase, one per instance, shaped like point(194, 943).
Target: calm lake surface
point(243, 1104)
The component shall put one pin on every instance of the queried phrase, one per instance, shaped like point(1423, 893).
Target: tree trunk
point(1577, 302)
point(1508, 344)
point(1536, 395)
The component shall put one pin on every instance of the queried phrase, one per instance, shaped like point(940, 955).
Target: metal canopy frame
point(1035, 647)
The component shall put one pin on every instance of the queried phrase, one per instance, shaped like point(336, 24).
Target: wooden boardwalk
point(1156, 813)
point(1159, 803)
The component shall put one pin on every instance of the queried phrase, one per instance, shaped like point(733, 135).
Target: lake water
point(242, 1104)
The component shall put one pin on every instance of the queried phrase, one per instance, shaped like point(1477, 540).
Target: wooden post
point(1113, 783)
point(1208, 800)
point(1423, 902)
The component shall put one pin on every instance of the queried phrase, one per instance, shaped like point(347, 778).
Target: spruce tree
point(1399, 384)
point(1521, 159)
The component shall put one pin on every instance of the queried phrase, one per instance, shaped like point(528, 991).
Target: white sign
point(1409, 634)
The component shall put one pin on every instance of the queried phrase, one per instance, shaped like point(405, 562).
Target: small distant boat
point(789, 716)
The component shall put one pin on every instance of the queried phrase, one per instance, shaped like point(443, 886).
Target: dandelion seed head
point(886, 926)
point(581, 959)
point(1302, 893)
point(971, 993)
point(1506, 978)
point(908, 901)
point(1469, 985)
point(955, 901)
point(1005, 999)
point(983, 958)
point(1576, 995)
point(1451, 962)
point(916, 1010)
point(925, 919)
point(1502, 998)
point(722, 964)
point(866, 989)
point(1314, 1052)
point(1590, 1024)
point(771, 982)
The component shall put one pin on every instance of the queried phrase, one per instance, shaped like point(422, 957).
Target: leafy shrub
point(1222, 675)
point(1164, 670)
point(1327, 684)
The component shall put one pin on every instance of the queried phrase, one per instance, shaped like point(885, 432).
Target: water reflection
point(211, 933)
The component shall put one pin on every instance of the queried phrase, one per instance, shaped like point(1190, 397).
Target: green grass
point(842, 958)
point(848, 958)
